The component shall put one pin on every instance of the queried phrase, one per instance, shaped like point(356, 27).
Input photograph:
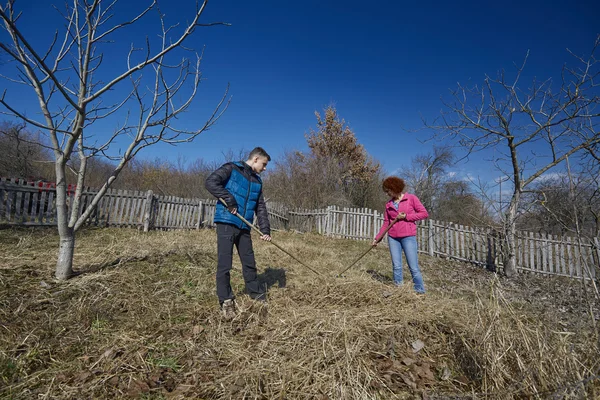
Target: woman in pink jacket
point(403, 210)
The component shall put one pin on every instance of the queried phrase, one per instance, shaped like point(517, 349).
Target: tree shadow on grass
point(93, 268)
point(379, 276)
point(198, 259)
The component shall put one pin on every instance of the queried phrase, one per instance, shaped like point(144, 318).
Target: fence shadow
point(272, 276)
point(379, 276)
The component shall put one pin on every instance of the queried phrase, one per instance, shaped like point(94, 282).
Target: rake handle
point(370, 248)
point(357, 260)
point(271, 241)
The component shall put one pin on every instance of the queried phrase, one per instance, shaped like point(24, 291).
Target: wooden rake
point(369, 249)
point(271, 241)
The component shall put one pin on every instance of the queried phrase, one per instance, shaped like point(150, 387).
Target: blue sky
point(383, 64)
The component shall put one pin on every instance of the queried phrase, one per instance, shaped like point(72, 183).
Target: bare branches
point(555, 118)
point(23, 117)
point(104, 17)
point(72, 66)
point(530, 130)
point(152, 59)
point(23, 47)
point(84, 21)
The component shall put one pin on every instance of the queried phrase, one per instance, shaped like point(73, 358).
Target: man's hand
point(232, 210)
point(400, 216)
point(266, 238)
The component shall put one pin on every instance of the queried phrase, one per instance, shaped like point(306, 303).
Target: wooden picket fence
point(536, 252)
point(26, 203)
point(33, 204)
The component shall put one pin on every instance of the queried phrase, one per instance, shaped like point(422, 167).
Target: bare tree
point(529, 129)
point(22, 154)
point(302, 180)
point(564, 204)
point(460, 204)
point(446, 197)
point(427, 174)
point(70, 81)
point(592, 169)
point(168, 178)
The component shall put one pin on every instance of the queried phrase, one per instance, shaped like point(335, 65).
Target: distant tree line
point(336, 170)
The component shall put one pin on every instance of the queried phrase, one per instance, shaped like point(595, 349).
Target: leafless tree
point(22, 154)
point(528, 128)
point(304, 181)
point(168, 178)
point(72, 82)
point(560, 204)
point(459, 203)
point(445, 196)
point(427, 174)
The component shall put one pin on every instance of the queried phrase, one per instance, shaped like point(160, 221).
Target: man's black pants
point(227, 236)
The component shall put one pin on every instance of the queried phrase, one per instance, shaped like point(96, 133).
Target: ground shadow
point(168, 256)
point(93, 268)
point(272, 276)
point(378, 276)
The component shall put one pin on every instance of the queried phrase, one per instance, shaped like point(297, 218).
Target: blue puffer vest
point(246, 195)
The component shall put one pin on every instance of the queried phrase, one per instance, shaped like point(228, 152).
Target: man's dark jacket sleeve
point(263, 215)
point(215, 184)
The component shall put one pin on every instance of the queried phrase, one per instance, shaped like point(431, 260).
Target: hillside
point(142, 321)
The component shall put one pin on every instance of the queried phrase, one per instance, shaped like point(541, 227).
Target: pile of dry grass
point(143, 322)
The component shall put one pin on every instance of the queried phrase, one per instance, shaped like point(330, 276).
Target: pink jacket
point(414, 210)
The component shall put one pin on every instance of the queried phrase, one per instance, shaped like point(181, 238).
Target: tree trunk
point(510, 234)
point(64, 264)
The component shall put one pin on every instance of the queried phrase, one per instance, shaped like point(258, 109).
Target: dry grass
point(142, 321)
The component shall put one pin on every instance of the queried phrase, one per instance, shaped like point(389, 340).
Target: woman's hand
point(400, 216)
point(375, 242)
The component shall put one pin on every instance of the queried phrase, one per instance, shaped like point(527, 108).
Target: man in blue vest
point(240, 186)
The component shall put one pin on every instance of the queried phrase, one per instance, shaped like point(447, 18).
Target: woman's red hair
point(393, 184)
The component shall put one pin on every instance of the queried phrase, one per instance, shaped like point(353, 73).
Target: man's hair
point(393, 184)
point(260, 152)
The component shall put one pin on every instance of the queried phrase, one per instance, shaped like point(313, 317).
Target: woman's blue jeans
point(409, 245)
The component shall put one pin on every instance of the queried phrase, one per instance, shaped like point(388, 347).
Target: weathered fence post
point(328, 221)
point(148, 211)
point(596, 258)
point(491, 251)
point(199, 223)
point(430, 237)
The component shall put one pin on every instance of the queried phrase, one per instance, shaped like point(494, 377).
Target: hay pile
point(143, 322)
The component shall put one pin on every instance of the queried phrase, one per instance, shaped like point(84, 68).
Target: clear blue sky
point(384, 64)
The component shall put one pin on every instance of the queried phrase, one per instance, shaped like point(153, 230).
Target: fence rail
point(24, 203)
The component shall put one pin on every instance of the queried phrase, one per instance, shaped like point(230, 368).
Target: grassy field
point(142, 321)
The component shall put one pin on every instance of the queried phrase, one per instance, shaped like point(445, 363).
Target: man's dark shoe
point(259, 297)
